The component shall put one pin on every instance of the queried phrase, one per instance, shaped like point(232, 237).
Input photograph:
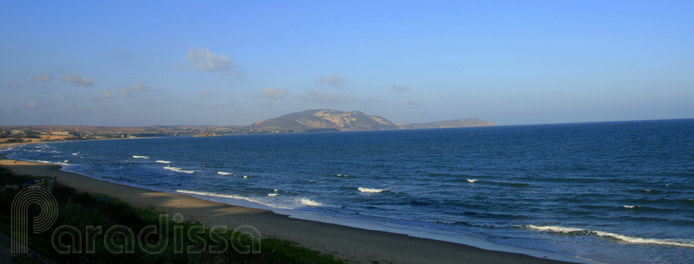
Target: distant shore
point(353, 245)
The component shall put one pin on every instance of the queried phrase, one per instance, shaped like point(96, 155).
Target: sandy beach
point(352, 245)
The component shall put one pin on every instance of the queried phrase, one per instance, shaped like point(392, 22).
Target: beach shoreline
point(351, 244)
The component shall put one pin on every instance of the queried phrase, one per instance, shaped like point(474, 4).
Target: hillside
point(324, 119)
point(334, 120)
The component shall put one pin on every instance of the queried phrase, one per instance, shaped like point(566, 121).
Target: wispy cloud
point(42, 77)
point(400, 88)
point(326, 98)
point(77, 80)
point(205, 60)
point(16, 84)
point(136, 87)
point(30, 104)
point(206, 93)
point(124, 93)
point(334, 80)
point(106, 94)
point(269, 93)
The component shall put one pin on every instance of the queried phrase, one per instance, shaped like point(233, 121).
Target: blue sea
point(615, 192)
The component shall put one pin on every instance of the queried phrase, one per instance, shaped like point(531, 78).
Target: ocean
point(615, 192)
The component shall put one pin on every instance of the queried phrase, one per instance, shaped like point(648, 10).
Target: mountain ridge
point(335, 120)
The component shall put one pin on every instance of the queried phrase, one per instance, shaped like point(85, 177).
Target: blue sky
point(233, 63)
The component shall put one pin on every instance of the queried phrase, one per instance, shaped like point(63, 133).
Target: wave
point(229, 196)
point(176, 169)
point(311, 203)
point(623, 238)
point(369, 190)
point(342, 175)
point(140, 157)
point(472, 180)
point(295, 203)
point(629, 206)
point(51, 162)
point(272, 194)
point(163, 161)
point(75, 154)
point(225, 173)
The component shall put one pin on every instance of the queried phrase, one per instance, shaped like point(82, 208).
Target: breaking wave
point(369, 190)
point(622, 238)
point(176, 169)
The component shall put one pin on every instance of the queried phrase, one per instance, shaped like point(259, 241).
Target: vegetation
point(83, 209)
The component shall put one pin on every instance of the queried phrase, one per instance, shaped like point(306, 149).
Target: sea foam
point(472, 180)
point(140, 157)
point(309, 202)
point(224, 173)
point(623, 238)
point(163, 161)
point(176, 169)
point(369, 190)
point(229, 196)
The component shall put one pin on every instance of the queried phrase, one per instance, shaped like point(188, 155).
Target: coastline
point(347, 243)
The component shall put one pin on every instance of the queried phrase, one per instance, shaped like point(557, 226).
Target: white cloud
point(326, 98)
point(42, 77)
point(106, 94)
point(334, 80)
point(31, 104)
point(270, 93)
point(16, 84)
point(77, 80)
point(205, 60)
point(400, 88)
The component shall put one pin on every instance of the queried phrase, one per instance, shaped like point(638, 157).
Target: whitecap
point(622, 238)
point(309, 202)
point(369, 190)
point(75, 154)
point(472, 180)
point(163, 161)
point(272, 194)
point(140, 157)
point(224, 173)
point(176, 169)
point(628, 206)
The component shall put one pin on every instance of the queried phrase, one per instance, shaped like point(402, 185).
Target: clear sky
point(236, 62)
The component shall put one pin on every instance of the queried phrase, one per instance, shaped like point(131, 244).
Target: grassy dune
point(83, 209)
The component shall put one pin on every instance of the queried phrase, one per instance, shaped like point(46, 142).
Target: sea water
point(617, 192)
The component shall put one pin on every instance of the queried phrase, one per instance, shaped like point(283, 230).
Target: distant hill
point(469, 122)
point(325, 119)
point(334, 120)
